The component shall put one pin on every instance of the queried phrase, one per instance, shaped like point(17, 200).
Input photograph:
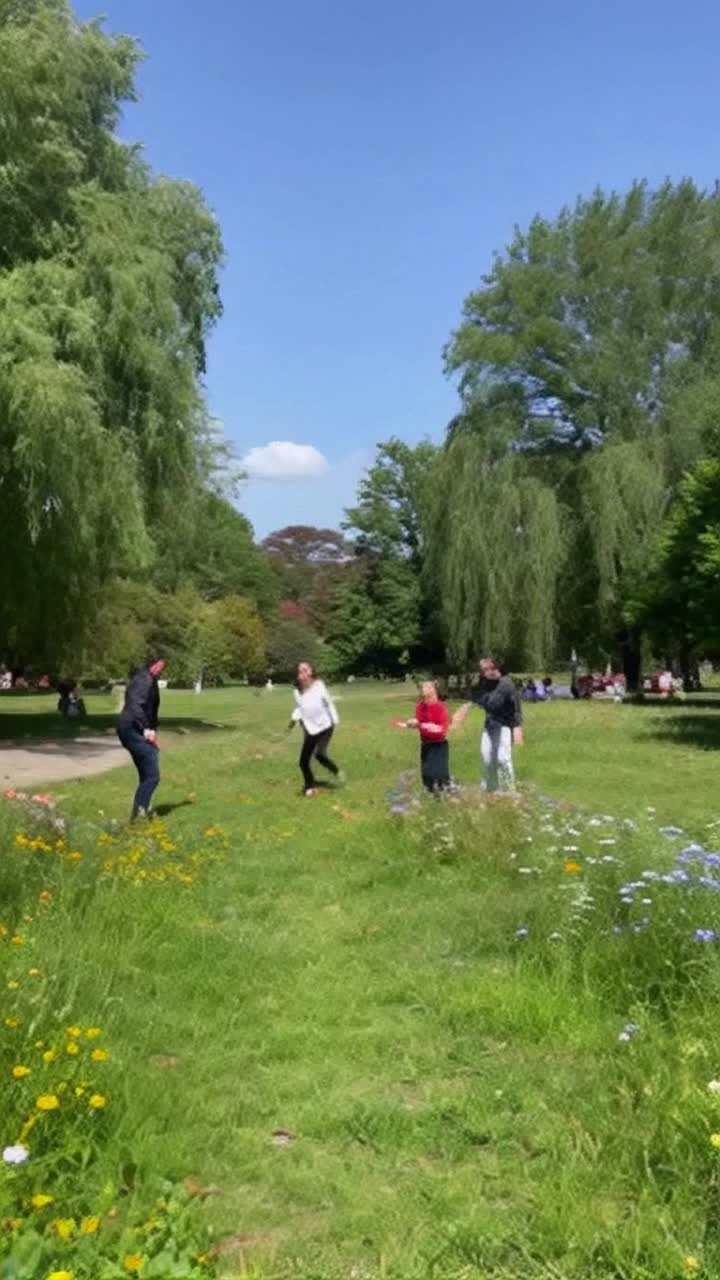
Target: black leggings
point(435, 765)
point(315, 744)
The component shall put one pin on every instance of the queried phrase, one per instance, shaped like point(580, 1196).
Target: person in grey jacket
point(498, 697)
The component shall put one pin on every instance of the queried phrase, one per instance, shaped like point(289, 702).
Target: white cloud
point(285, 460)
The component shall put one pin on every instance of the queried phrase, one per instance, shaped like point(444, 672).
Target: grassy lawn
point(380, 1046)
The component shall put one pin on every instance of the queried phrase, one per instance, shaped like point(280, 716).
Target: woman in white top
point(315, 711)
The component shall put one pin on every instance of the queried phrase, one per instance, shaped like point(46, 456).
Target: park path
point(57, 760)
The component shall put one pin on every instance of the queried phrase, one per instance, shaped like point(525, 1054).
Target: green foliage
point(375, 622)
point(291, 642)
point(498, 557)
point(462, 1099)
point(394, 499)
point(107, 290)
point(217, 640)
point(588, 365)
point(308, 564)
point(678, 598)
point(214, 548)
point(384, 612)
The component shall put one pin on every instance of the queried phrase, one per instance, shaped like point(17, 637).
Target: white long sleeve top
point(315, 709)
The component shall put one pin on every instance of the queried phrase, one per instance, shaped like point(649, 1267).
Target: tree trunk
point(631, 650)
point(689, 670)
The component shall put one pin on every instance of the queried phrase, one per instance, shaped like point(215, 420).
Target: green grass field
point(378, 1046)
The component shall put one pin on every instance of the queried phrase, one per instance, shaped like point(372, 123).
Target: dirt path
point(57, 761)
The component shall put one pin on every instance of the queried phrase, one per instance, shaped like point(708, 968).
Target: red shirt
point(432, 713)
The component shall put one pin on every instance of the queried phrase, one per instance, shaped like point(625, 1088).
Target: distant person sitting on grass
point(137, 730)
point(71, 704)
point(315, 711)
point(432, 718)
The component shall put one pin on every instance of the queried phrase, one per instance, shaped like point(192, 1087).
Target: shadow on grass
point(35, 730)
point(688, 729)
point(164, 810)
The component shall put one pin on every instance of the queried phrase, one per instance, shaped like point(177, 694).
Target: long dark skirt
point(435, 765)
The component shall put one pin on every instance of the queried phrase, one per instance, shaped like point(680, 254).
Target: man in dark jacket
point(137, 730)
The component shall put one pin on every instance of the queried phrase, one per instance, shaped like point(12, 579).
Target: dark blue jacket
point(142, 703)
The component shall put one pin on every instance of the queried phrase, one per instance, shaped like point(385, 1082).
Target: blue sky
point(365, 161)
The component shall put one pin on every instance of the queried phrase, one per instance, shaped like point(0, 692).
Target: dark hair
point(498, 661)
point(303, 663)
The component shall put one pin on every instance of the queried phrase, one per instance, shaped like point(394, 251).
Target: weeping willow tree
point(108, 286)
point(498, 554)
point(589, 363)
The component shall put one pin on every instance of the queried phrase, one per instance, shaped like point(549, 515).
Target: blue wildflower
point(705, 935)
point(690, 852)
point(629, 1031)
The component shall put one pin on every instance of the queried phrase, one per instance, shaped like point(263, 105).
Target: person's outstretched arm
point(460, 715)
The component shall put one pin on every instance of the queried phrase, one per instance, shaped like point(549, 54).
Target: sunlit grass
point(385, 1046)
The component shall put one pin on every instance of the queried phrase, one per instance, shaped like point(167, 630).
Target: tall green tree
point(585, 358)
point(214, 548)
point(385, 617)
point(108, 286)
point(678, 599)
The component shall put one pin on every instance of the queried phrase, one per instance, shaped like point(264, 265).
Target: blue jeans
point(146, 759)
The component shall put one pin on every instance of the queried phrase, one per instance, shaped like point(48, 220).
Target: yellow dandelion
point(45, 896)
point(33, 973)
point(79, 1091)
point(17, 940)
point(715, 1139)
point(49, 1056)
point(72, 1048)
point(63, 1227)
point(11, 1022)
point(41, 1201)
point(97, 1101)
point(13, 985)
point(100, 1055)
point(89, 1226)
point(571, 866)
point(20, 1072)
point(47, 1102)
point(73, 857)
point(75, 1031)
point(133, 1262)
point(61, 1275)
point(692, 1265)
point(92, 1033)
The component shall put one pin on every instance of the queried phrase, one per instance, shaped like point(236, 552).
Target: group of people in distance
point(496, 695)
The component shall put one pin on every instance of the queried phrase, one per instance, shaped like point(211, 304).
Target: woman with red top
point(433, 720)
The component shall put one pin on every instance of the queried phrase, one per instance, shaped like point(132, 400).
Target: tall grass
point(378, 1036)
